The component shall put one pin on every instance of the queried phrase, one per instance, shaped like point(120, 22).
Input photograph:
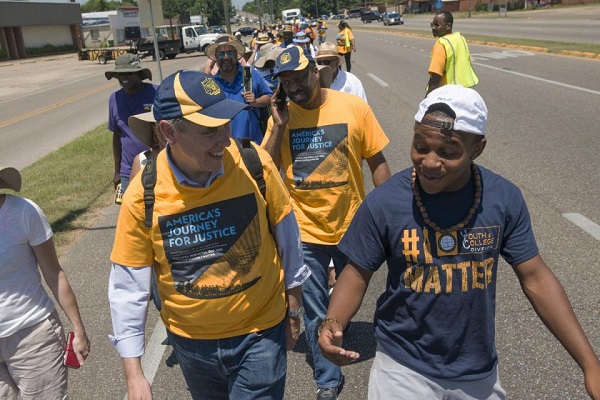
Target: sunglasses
point(223, 54)
point(325, 62)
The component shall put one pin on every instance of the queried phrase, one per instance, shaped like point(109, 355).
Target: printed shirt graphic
point(437, 314)
point(321, 153)
point(218, 270)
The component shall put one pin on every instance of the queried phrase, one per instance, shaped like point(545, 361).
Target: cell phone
point(281, 98)
point(70, 359)
point(247, 78)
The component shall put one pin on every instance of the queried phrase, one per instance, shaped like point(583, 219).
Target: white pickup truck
point(177, 39)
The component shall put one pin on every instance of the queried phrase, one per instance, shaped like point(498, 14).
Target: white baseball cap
point(467, 105)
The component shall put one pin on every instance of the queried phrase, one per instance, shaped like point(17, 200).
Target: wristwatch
point(297, 313)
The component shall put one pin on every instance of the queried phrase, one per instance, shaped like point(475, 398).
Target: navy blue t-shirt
point(436, 315)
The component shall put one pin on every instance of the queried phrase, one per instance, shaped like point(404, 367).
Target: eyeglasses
point(223, 54)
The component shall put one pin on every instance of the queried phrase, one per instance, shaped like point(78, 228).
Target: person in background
point(435, 320)
point(450, 56)
point(311, 32)
point(261, 40)
point(343, 81)
point(134, 97)
point(287, 36)
point(320, 140)
point(32, 339)
point(303, 41)
point(226, 53)
point(345, 42)
point(322, 28)
point(227, 257)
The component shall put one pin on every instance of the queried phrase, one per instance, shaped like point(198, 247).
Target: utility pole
point(260, 12)
point(470, 8)
point(227, 16)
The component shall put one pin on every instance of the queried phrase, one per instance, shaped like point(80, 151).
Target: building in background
point(109, 28)
point(27, 26)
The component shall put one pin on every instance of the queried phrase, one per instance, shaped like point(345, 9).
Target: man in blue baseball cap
point(320, 139)
point(226, 254)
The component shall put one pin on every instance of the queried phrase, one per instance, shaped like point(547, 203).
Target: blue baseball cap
point(301, 38)
point(293, 58)
point(196, 97)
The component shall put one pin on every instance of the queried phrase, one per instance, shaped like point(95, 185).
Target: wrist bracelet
point(326, 321)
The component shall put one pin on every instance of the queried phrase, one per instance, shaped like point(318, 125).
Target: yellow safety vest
point(458, 61)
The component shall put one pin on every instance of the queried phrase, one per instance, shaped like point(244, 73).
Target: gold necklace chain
point(466, 219)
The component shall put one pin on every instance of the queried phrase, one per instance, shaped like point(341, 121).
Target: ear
point(478, 148)
point(168, 131)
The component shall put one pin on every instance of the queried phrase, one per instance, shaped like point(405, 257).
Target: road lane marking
point(584, 223)
point(537, 78)
point(376, 79)
point(51, 107)
point(154, 352)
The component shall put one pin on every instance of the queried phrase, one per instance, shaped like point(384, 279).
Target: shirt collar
point(184, 180)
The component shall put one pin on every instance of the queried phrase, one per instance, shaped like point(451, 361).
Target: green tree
point(214, 11)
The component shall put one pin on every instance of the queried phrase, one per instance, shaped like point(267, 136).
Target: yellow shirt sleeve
point(438, 60)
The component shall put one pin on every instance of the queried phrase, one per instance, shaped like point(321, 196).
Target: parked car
point(354, 15)
point(392, 18)
point(369, 16)
point(217, 29)
point(246, 30)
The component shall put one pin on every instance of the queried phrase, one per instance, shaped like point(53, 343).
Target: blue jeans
point(251, 366)
point(124, 183)
point(315, 295)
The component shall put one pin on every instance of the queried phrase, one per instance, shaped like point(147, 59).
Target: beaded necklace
point(470, 213)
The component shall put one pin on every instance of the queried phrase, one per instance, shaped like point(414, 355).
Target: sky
point(239, 3)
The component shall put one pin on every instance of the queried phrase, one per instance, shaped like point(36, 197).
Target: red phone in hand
point(71, 360)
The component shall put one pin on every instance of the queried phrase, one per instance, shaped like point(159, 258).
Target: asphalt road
point(574, 25)
point(542, 135)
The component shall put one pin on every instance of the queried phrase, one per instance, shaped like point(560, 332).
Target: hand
point(292, 331)
point(116, 178)
point(139, 389)
point(330, 342)
point(250, 98)
point(81, 346)
point(592, 382)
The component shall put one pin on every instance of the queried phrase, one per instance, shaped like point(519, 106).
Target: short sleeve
point(260, 86)
point(374, 139)
point(132, 246)
point(112, 111)
point(518, 241)
point(278, 197)
point(39, 230)
point(438, 59)
point(363, 243)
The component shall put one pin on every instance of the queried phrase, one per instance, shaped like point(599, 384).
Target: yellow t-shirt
point(438, 62)
point(321, 154)
point(218, 271)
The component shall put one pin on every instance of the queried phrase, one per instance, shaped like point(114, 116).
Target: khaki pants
point(31, 362)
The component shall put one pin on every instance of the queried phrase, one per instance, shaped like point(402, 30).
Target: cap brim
point(218, 114)
point(142, 126)
point(10, 178)
point(146, 73)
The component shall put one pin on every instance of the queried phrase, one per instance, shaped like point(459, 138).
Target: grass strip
point(72, 184)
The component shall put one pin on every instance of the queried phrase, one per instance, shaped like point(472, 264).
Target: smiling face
point(227, 58)
point(131, 82)
point(442, 158)
point(196, 150)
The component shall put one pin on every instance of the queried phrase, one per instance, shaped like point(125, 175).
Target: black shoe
point(330, 393)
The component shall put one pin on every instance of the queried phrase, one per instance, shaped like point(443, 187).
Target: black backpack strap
point(252, 162)
point(149, 181)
